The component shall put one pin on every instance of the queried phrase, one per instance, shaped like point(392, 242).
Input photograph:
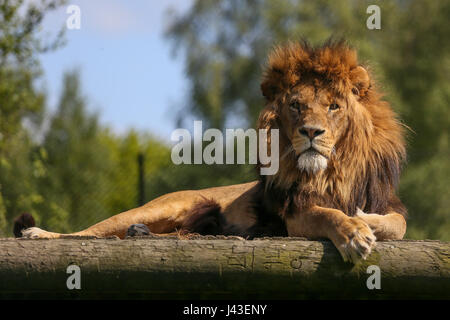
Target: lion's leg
point(351, 235)
point(35, 233)
point(162, 215)
point(391, 226)
point(156, 220)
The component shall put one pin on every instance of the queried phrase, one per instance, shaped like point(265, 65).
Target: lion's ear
point(269, 90)
point(360, 80)
point(273, 82)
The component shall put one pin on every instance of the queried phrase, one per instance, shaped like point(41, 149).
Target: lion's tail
point(22, 222)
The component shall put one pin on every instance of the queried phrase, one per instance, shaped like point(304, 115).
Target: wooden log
point(276, 268)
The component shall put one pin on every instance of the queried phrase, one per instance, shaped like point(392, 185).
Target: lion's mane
point(365, 167)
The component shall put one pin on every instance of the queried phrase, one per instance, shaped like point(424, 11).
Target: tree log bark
point(205, 268)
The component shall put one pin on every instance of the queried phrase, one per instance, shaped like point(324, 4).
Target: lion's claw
point(355, 240)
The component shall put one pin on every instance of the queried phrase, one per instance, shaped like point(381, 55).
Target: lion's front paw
point(37, 233)
point(373, 220)
point(354, 239)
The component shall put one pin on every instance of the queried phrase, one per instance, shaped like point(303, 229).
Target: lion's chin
point(312, 161)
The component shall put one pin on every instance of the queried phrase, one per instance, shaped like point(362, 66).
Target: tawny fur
point(361, 152)
point(364, 168)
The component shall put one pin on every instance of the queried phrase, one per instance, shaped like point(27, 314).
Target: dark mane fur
point(365, 169)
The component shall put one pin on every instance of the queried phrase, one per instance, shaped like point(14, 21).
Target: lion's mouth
point(312, 151)
point(311, 160)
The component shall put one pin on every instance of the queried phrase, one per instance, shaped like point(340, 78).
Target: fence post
point(141, 183)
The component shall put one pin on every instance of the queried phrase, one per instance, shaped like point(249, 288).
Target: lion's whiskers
point(288, 151)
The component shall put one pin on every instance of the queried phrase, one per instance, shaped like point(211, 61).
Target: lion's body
point(169, 212)
point(341, 150)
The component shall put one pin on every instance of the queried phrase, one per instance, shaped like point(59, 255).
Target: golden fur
point(341, 149)
point(364, 167)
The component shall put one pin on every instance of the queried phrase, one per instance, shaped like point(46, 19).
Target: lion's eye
point(294, 106)
point(334, 106)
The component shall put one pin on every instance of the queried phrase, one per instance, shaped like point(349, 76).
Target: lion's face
point(340, 143)
point(314, 121)
point(315, 95)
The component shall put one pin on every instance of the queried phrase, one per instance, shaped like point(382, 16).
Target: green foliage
point(22, 104)
point(91, 172)
point(76, 160)
point(71, 171)
point(20, 42)
point(226, 42)
point(68, 171)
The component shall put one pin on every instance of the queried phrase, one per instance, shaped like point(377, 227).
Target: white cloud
point(116, 17)
point(110, 17)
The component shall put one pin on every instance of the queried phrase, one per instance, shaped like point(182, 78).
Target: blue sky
point(128, 71)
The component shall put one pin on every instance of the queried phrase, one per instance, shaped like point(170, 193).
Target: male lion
point(341, 151)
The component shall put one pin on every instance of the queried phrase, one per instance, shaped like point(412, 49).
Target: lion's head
point(340, 144)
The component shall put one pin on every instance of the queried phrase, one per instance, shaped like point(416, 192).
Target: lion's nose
point(311, 132)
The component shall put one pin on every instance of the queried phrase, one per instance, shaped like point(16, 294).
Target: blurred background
point(86, 114)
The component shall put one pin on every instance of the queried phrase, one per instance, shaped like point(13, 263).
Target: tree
point(22, 104)
point(77, 163)
point(91, 173)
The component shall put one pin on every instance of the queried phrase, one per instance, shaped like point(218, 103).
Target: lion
point(341, 152)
